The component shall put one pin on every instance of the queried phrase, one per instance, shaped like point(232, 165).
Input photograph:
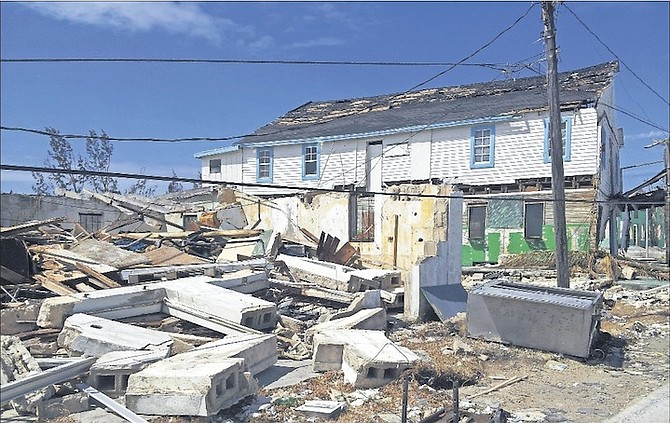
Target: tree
point(99, 155)
point(198, 184)
point(61, 156)
point(174, 186)
point(140, 187)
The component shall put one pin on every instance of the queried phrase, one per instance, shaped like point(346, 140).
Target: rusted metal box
point(560, 320)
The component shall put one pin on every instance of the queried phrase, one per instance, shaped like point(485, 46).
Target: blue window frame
point(264, 159)
point(310, 161)
point(566, 131)
point(482, 146)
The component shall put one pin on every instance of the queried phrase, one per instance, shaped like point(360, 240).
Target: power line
point(641, 165)
point(615, 55)
point(130, 139)
point(632, 115)
point(500, 34)
point(20, 168)
point(241, 61)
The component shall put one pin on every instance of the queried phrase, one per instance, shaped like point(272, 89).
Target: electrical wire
point(241, 61)
point(615, 55)
point(632, 115)
point(19, 168)
point(230, 138)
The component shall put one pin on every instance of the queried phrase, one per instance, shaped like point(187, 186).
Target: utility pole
point(556, 147)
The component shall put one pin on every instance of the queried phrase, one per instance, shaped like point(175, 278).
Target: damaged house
point(486, 140)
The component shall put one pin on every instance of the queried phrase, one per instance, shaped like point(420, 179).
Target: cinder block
point(111, 372)
point(369, 319)
point(19, 317)
point(258, 351)
point(195, 383)
point(367, 358)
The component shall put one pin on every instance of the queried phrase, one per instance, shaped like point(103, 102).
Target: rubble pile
point(217, 321)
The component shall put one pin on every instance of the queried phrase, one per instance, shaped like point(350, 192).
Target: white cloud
point(319, 42)
point(646, 135)
point(181, 18)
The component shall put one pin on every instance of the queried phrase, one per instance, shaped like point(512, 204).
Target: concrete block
point(195, 383)
point(245, 281)
point(329, 275)
point(370, 319)
point(16, 363)
point(111, 372)
point(87, 335)
point(55, 310)
point(364, 300)
point(258, 351)
point(367, 358)
point(62, 406)
point(376, 278)
point(19, 317)
point(227, 304)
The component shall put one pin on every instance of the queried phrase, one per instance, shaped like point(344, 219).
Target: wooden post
point(556, 147)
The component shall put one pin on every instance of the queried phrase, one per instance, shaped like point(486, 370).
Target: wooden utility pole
point(556, 147)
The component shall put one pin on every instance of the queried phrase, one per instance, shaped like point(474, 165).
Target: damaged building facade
point(488, 140)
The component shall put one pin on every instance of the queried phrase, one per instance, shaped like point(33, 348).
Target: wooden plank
point(171, 256)
point(226, 233)
point(55, 286)
point(104, 280)
point(310, 236)
point(345, 254)
point(28, 226)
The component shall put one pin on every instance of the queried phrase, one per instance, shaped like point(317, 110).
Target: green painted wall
point(488, 252)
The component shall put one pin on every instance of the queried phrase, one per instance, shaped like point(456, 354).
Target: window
point(362, 218)
point(476, 222)
point(310, 161)
point(215, 166)
point(533, 220)
point(566, 129)
point(482, 142)
point(264, 158)
point(92, 222)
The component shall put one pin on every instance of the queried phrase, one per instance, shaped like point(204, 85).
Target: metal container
point(560, 320)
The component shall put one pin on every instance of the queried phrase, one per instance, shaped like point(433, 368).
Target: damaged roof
point(432, 106)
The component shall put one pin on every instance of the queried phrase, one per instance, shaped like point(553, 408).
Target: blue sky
point(159, 100)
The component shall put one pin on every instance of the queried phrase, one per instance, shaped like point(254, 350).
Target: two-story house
point(488, 139)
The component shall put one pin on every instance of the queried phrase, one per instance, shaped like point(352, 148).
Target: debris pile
point(204, 315)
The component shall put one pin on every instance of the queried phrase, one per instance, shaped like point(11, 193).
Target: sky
point(175, 100)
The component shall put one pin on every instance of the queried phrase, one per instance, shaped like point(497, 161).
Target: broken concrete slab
point(93, 336)
point(17, 364)
point(446, 300)
point(135, 276)
point(328, 275)
point(370, 319)
point(367, 358)
point(246, 281)
point(109, 254)
point(233, 306)
point(259, 351)
point(195, 383)
point(111, 372)
point(19, 317)
point(62, 406)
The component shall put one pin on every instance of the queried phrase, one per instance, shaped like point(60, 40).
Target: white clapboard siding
point(231, 167)
point(519, 151)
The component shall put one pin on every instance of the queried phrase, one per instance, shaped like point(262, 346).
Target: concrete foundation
point(94, 336)
point(367, 358)
point(195, 383)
